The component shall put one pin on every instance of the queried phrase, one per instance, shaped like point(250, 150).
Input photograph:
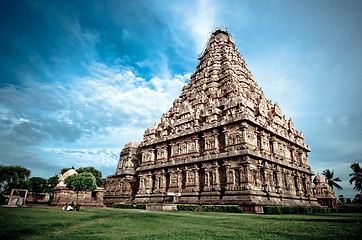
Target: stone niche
point(223, 142)
point(63, 195)
point(122, 186)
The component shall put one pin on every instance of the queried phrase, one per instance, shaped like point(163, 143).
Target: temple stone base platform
point(161, 207)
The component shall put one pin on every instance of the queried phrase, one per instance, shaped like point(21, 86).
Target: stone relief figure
point(147, 183)
point(207, 180)
point(128, 164)
point(173, 179)
point(231, 176)
point(192, 146)
point(146, 156)
point(209, 143)
point(182, 148)
point(157, 182)
point(142, 184)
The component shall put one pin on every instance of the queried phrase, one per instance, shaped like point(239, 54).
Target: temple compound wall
point(62, 195)
point(223, 142)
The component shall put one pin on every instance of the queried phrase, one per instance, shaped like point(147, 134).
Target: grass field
point(52, 223)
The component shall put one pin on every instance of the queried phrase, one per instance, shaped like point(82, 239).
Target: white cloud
point(198, 21)
point(87, 156)
point(329, 120)
point(101, 112)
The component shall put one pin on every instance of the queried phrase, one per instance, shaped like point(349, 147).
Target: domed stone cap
point(62, 177)
point(319, 179)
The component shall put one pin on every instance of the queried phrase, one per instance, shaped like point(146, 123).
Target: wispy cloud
point(83, 110)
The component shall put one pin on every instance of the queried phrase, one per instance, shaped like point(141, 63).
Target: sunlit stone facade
point(223, 142)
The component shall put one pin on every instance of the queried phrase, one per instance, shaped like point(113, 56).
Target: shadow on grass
point(321, 219)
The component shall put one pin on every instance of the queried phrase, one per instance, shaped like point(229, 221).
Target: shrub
point(228, 208)
point(187, 207)
point(289, 210)
point(122, 205)
point(303, 210)
point(207, 208)
point(141, 206)
point(272, 210)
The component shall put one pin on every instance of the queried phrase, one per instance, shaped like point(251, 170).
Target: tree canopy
point(332, 181)
point(51, 183)
point(64, 170)
point(13, 177)
point(37, 185)
point(356, 177)
point(81, 182)
point(96, 173)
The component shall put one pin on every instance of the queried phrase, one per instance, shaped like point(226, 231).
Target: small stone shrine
point(63, 195)
point(323, 192)
point(222, 142)
point(122, 186)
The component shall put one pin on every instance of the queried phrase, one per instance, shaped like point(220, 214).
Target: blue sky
point(79, 79)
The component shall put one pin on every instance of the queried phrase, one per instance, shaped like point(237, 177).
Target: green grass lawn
point(108, 223)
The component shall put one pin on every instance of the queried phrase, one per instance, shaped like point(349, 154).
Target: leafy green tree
point(51, 183)
point(13, 177)
point(341, 198)
point(356, 177)
point(37, 185)
point(96, 173)
point(332, 181)
point(64, 170)
point(357, 199)
point(81, 182)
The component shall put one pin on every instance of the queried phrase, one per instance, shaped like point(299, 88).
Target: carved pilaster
point(179, 179)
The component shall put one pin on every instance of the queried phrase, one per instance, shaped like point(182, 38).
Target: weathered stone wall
point(37, 198)
point(62, 195)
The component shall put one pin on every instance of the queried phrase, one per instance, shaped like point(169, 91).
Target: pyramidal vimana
point(222, 142)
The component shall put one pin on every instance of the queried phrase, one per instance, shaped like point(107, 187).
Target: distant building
point(323, 192)
point(222, 142)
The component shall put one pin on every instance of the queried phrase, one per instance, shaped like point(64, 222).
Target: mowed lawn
point(108, 223)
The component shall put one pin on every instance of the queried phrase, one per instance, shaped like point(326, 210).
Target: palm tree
point(332, 181)
point(356, 177)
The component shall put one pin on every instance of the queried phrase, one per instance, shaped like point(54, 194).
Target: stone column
point(179, 179)
point(197, 179)
point(197, 144)
point(156, 183)
point(187, 172)
point(163, 181)
point(216, 177)
point(274, 146)
point(228, 176)
point(149, 183)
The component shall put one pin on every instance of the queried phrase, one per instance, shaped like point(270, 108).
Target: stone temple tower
point(223, 142)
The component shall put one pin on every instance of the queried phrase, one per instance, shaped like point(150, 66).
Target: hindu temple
point(222, 142)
